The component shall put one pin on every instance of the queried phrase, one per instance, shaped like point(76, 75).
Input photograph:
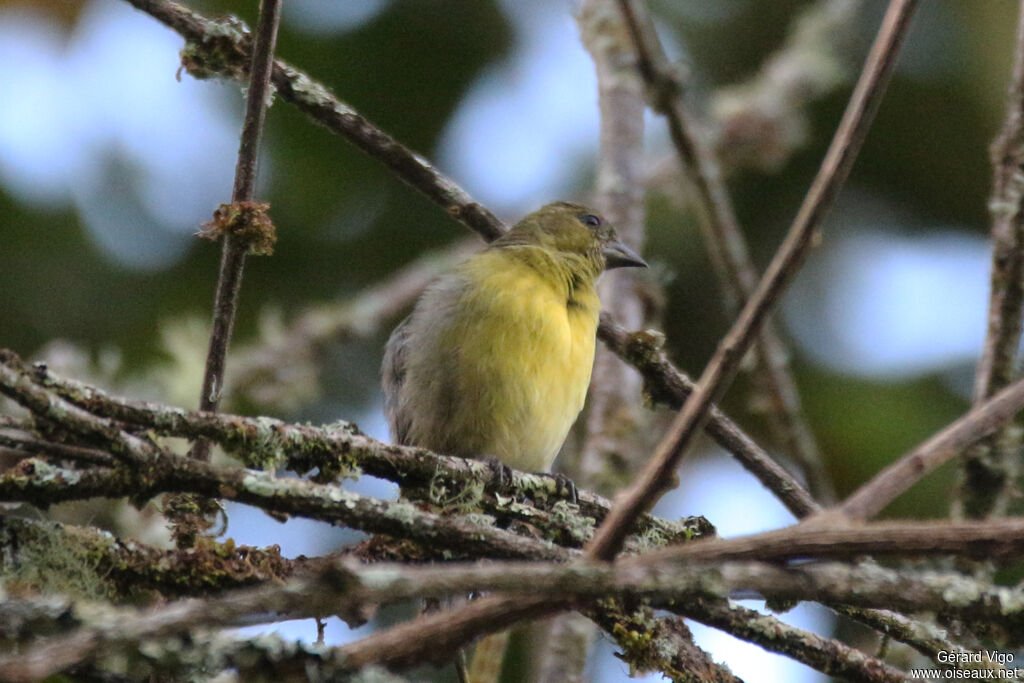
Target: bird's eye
point(591, 220)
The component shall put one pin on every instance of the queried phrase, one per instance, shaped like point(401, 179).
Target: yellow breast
point(525, 349)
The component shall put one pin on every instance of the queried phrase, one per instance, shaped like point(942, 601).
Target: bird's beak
point(618, 255)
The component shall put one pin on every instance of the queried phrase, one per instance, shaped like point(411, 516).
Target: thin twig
point(235, 247)
point(728, 249)
point(725, 362)
point(665, 383)
point(989, 470)
point(90, 456)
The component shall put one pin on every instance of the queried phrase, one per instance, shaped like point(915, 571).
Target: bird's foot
point(566, 485)
point(502, 472)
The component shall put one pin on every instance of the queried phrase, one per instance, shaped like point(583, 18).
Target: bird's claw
point(502, 472)
point(567, 485)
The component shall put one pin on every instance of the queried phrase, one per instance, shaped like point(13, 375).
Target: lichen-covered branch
point(85, 562)
point(824, 654)
point(817, 538)
point(335, 452)
point(43, 484)
point(220, 48)
point(180, 656)
point(681, 579)
point(658, 644)
point(696, 589)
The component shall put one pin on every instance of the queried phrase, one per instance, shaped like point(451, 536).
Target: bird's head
point(574, 231)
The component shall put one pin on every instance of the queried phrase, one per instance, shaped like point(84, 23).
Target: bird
point(494, 360)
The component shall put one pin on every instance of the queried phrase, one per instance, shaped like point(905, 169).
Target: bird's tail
point(488, 657)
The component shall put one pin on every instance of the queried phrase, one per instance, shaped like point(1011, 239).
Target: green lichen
point(459, 498)
point(302, 449)
point(219, 53)
point(637, 648)
point(480, 519)
point(41, 557)
point(660, 535)
point(43, 473)
point(577, 527)
point(403, 512)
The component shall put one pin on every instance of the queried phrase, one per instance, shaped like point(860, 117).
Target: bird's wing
point(392, 376)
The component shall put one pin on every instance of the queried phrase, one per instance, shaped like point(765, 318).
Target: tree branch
point(988, 472)
point(96, 564)
point(664, 383)
point(726, 245)
point(724, 364)
point(982, 420)
point(697, 589)
point(815, 538)
point(336, 452)
point(244, 214)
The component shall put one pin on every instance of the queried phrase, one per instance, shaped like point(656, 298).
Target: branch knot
point(222, 50)
point(247, 221)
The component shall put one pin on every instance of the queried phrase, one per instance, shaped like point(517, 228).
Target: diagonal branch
point(728, 249)
point(982, 420)
point(726, 361)
point(667, 384)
